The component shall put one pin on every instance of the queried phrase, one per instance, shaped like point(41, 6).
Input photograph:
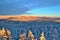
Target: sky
point(47, 11)
point(30, 7)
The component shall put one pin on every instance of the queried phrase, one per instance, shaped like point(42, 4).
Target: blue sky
point(33, 7)
point(47, 11)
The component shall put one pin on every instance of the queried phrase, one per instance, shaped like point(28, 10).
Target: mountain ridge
point(30, 18)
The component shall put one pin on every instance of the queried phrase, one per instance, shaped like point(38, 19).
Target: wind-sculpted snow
point(51, 29)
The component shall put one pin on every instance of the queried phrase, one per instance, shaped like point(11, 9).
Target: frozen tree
point(42, 36)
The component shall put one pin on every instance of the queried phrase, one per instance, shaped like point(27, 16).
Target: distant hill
point(4, 17)
point(24, 18)
point(30, 18)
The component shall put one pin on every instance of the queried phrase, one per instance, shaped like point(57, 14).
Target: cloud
point(13, 7)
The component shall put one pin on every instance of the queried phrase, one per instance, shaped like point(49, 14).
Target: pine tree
point(23, 36)
point(42, 36)
point(30, 35)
